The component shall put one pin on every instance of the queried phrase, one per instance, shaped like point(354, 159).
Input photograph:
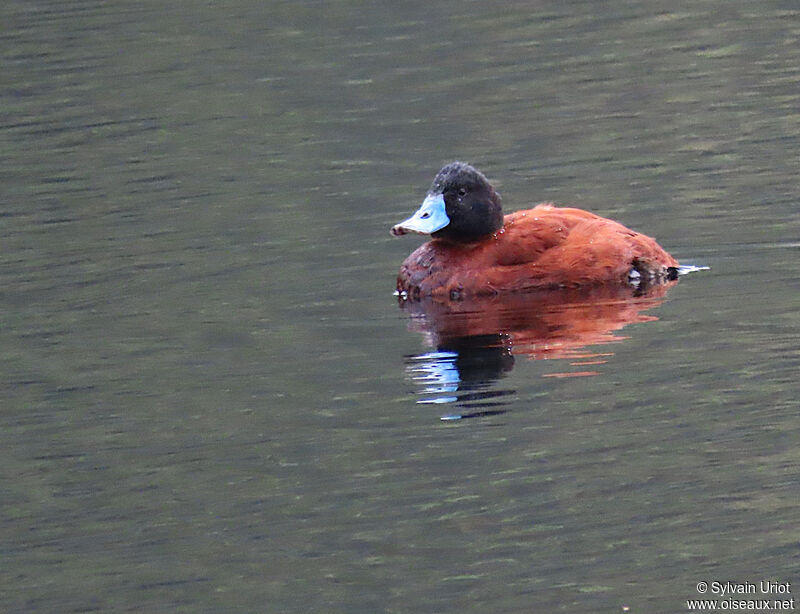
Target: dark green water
point(208, 394)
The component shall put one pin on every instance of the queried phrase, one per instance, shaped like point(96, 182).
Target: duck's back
point(543, 247)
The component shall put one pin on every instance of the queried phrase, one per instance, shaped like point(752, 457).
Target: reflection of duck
point(477, 251)
point(477, 339)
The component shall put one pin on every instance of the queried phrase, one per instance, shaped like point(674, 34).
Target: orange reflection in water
point(544, 325)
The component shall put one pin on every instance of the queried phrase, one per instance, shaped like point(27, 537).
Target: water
point(210, 397)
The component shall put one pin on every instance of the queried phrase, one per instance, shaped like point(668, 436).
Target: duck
point(476, 250)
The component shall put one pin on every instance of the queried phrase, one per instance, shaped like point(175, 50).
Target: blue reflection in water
point(438, 372)
point(463, 374)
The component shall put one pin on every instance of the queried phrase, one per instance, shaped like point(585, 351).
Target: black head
point(471, 210)
point(470, 202)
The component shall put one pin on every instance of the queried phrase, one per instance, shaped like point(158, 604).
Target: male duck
point(477, 251)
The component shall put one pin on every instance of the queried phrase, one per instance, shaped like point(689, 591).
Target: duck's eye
point(425, 215)
point(462, 191)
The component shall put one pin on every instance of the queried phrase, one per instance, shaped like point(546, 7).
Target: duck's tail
point(685, 269)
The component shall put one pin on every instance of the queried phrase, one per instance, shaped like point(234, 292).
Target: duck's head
point(461, 206)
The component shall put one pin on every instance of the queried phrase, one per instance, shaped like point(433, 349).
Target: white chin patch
point(430, 217)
